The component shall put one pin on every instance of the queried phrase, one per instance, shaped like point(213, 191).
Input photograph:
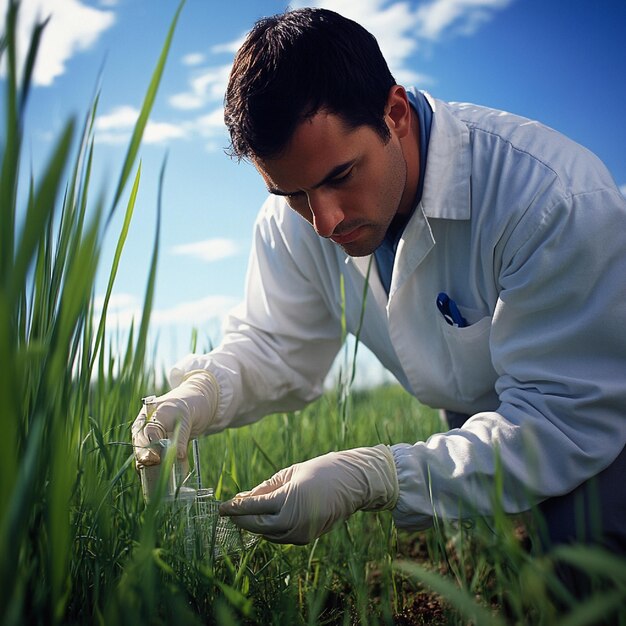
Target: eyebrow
point(334, 173)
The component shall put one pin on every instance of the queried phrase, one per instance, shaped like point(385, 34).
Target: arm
point(280, 342)
point(278, 347)
point(559, 347)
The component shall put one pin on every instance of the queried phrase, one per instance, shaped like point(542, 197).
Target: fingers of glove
point(279, 479)
point(290, 525)
point(293, 506)
point(145, 441)
point(141, 442)
point(272, 529)
point(171, 416)
point(266, 498)
point(268, 515)
point(269, 504)
point(169, 413)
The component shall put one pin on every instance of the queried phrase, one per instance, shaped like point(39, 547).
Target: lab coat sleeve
point(279, 344)
point(558, 344)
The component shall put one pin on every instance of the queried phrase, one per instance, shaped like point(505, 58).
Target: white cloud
point(465, 16)
point(158, 132)
point(116, 138)
point(122, 310)
point(186, 101)
point(121, 117)
point(210, 124)
point(207, 85)
point(117, 302)
point(231, 47)
point(623, 190)
point(194, 58)
point(116, 127)
point(73, 27)
point(125, 308)
point(195, 312)
point(208, 250)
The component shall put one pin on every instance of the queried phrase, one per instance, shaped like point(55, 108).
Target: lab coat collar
point(416, 242)
point(446, 193)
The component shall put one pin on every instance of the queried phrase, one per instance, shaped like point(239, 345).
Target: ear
point(398, 111)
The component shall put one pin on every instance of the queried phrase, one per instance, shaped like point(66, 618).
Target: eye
point(298, 202)
point(340, 180)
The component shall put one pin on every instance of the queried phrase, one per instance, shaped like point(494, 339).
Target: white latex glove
point(193, 405)
point(304, 501)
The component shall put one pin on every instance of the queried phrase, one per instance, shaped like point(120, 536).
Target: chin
point(356, 252)
point(360, 248)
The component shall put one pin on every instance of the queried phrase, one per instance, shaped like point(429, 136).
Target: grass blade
point(29, 64)
point(40, 210)
point(12, 527)
point(10, 150)
point(130, 207)
point(149, 296)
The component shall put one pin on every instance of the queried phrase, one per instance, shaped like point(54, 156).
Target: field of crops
point(78, 544)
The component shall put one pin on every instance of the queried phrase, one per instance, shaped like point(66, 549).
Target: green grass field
point(78, 544)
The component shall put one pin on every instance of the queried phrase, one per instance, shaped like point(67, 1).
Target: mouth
point(348, 237)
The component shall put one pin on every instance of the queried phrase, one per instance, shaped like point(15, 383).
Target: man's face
point(347, 183)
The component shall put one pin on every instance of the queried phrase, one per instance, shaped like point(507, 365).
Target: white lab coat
point(526, 231)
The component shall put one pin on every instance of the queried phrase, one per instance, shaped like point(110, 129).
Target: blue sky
point(559, 62)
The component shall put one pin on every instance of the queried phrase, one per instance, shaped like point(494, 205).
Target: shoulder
point(519, 140)
point(525, 177)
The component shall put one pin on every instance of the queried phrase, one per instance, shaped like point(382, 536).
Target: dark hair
point(295, 64)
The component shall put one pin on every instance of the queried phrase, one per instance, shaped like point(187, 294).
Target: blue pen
point(450, 311)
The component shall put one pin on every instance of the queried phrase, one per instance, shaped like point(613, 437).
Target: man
point(496, 261)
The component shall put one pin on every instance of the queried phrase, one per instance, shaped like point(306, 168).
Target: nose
point(327, 213)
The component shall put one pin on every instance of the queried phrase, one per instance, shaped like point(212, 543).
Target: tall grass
point(56, 423)
point(78, 545)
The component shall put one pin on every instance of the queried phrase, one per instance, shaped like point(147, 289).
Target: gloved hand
point(193, 405)
point(304, 501)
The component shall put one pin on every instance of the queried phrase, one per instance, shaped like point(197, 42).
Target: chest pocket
point(469, 357)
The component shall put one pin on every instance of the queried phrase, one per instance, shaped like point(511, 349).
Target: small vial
point(151, 474)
